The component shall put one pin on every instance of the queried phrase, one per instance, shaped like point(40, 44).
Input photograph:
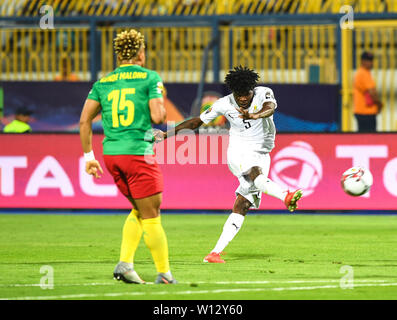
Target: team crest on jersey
point(208, 110)
point(255, 108)
point(269, 95)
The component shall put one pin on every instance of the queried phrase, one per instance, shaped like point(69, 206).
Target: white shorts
point(240, 162)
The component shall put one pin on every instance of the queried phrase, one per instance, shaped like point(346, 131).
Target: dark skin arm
point(191, 124)
point(266, 111)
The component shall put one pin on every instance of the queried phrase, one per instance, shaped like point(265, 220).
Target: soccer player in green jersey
point(130, 99)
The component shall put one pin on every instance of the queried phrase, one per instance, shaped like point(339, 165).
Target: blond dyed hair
point(128, 43)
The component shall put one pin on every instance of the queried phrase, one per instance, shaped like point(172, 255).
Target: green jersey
point(124, 95)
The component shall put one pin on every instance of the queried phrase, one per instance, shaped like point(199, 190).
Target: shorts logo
point(297, 166)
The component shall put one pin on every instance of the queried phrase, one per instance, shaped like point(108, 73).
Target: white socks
point(269, 187)
point(230, 229)
point(235, 220)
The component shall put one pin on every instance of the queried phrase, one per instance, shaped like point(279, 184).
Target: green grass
point(276, 256)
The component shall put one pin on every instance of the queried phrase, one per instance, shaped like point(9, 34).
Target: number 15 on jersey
point(119, 103)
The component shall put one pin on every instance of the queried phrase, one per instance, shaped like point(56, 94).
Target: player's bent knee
point(149, 207)
point(254, 173)
point(260, 182)
point(242, 205)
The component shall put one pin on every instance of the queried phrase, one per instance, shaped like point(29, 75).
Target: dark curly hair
point(241, 80)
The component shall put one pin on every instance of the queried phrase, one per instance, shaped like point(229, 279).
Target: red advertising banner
point(47, 171)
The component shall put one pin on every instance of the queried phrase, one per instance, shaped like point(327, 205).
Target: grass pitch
point(273, 257)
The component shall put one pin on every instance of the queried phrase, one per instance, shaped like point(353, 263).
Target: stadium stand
point(192, 7)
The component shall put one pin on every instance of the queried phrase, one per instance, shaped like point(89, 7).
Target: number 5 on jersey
point(247, 124)
point(120, 102)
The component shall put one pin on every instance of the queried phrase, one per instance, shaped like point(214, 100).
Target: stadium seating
point(192, 7)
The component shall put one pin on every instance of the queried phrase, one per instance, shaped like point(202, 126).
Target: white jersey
point(257, 135)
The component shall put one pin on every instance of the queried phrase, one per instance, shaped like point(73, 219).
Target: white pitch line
point(59, 285)
point(289, 281)
point(118, 294)
point(194, 282)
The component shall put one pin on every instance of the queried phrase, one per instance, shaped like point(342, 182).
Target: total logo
point(297, 166)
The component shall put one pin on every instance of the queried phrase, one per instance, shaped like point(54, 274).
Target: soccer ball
point(356, 181)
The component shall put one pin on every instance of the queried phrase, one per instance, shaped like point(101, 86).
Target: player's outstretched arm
point(266, 111)
point(191, 124)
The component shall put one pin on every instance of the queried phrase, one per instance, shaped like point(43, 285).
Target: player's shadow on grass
point(376, 264)
point(248, 256)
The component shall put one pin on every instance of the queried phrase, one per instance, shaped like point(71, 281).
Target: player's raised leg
point(154, 236)
point(292, 198)
point(230, 229)
point(267, 186)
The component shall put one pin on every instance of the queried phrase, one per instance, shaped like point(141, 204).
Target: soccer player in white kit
point(249, 110)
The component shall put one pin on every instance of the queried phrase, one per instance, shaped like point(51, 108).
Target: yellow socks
point(154, 236)
point(156, 241)
point(132, 232)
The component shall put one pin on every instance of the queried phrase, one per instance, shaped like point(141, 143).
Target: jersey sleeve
point(211, 113)
point(94, 93)
point(156, 86)
point(268, 96)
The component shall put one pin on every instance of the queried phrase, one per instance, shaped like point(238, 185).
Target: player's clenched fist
point(93, 168)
